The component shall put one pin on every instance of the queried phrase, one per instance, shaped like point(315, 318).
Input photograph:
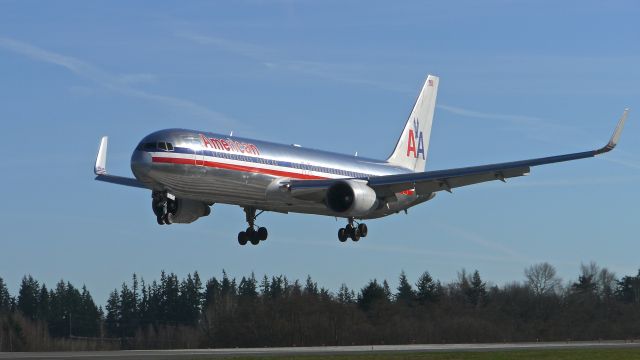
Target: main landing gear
point(352, 231)
point(164, 206)
point(251, 234)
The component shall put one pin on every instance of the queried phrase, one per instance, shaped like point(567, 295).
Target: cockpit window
point(149, 146)
point(162, 145)
point(170, 146)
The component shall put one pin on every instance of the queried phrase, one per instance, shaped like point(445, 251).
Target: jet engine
point(184, 211)
point(351, 198)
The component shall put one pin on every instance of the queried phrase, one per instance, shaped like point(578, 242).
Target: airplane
point(188, 171)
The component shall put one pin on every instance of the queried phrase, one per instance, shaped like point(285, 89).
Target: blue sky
point(519, 79)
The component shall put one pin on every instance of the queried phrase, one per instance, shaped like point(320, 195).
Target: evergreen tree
point(161, 298)
point(43, 304)
point(628, 289)
point(72, 302)
point(228, 286)
point(586, 285)
point(265, 287)
point(58, 316)
point(310, 287)
point(248, 288)
point(286, 287)
point(136, 295)
point(387, 290)
point(88, 316)
point(190, 299)
point(153, 308)
point(476, 291)
point(325, 294)
point(5, 298)
point(28, 297)
point(212, 291)
point(296, 289)
point(345, 296)
point(405, 294)
point(112, 319)
point(427, 289)
point(171, 296)
point(143, 308)
point(128, 312)
point(276, 290)
point(371, 294)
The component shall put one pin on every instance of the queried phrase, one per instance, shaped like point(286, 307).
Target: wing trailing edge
point(432, 181)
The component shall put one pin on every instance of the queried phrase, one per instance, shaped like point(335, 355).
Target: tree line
point(276, 311)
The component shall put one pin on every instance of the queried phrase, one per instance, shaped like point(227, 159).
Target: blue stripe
point(259, 160)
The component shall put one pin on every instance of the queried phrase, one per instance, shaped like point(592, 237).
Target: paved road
point(332, 350)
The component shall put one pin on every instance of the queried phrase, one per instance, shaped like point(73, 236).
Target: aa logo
point(415, 135)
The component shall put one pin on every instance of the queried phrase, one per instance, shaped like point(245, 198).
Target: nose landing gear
point(252, 235)
point(353, 232)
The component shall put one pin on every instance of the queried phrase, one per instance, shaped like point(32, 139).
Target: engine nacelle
point(184, 211)
point(351, 198)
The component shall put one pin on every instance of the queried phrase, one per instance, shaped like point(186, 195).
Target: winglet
point(101, 160)
point(616, 134)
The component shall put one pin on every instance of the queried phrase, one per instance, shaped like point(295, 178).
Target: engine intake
point(351, 198)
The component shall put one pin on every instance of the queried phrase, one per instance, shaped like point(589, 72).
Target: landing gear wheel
point(252, 234)
point(362, 229)
point(157, 208)
point(262, 233)
point(168, 218)
point(355, 234)
point(163, 207)
point(242, 238)
point(343, 235)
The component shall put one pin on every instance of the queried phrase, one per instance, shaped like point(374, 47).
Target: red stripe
point(173, 160)
point(218, 165)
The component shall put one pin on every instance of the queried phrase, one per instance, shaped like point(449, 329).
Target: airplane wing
point(424, 183)
point(100, 169)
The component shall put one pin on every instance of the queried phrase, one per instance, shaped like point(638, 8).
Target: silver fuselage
point(215, 168)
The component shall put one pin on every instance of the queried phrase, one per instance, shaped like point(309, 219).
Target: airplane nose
point(141, 164)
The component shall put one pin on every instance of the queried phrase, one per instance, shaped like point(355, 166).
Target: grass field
point(565, 354)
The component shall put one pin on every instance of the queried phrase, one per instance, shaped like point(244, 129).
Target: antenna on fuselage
point(231, 134)
point(356, 154)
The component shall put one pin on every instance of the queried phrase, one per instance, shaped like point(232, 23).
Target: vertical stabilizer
point(413, 145)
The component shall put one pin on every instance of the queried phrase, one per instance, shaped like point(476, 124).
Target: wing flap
point(454, 182)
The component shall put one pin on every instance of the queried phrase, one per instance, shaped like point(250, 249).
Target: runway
point(329, 350)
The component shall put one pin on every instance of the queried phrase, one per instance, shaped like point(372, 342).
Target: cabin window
point(162, 145)
point(170, 146)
